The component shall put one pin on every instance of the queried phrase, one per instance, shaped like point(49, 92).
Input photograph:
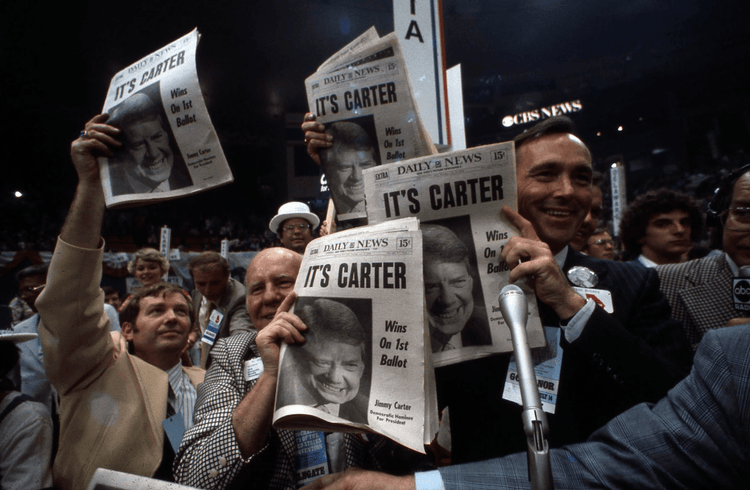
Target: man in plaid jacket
point(232, 444)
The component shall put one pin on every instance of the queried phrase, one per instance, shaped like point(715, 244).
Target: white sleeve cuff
point(428, 480)
point(575, 325)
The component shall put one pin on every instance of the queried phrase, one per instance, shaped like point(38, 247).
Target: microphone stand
point(513, 308)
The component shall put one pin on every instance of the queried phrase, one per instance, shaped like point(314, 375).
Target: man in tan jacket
point(115, 397)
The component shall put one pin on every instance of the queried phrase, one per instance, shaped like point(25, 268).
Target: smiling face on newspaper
point(169, 146)
point(353, 152)
point(334, 352)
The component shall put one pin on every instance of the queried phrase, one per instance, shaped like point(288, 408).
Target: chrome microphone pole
point(513, 307)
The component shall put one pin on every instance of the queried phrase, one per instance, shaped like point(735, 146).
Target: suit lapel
point(154, 382)
point(711, 280)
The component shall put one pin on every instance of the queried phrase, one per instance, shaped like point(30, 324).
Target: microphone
point(514, 310)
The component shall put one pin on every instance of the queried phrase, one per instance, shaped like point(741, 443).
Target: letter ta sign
point(418, 24)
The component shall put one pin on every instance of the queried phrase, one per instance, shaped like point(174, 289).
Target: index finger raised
point(286, 305)
point(523, 225)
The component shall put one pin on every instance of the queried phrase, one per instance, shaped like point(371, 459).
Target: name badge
point(310, 457)
point(174, 426)
point(209, 336)
point(601, 297)
point(253, 368)
point(547, 363)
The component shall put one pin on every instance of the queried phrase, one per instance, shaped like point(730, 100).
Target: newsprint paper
point(364, 366)
point(458, 197)
point(363, 96)
point(170, 148)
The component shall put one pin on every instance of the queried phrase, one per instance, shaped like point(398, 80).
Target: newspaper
point(170, 148)
point(365, 365)
point(363, 96)
point(458, 197)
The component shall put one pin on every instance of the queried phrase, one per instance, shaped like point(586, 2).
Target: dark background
point(674, 74)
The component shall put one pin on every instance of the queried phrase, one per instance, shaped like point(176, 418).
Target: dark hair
point(132, 306)
point(33, 271)
point(348, 135)
point(639, 212)
point(442, 245)
point(553, 125)
point(330, 320)
point(110, 290)
point(207, 261)
point(9, 356)
point(133, 110)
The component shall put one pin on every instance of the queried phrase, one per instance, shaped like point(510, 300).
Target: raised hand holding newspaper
point(363, 365)
point(458, 197)
point(363, 96)
point(170, 148)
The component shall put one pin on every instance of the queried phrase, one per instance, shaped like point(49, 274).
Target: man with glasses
point(294, 225)
point(600, 245)
point(708, 293)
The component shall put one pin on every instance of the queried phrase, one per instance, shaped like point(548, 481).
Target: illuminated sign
point(536, 115)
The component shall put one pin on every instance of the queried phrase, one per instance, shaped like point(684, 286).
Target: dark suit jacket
point(477, 330)
point(234, 309)
point(232, 306)
point(700, 294)
point(696, 437)
point(210, 458)
point(633, 355)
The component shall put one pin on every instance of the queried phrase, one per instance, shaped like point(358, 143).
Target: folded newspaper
point(170, 148)
point(364, 97)
point(365, 365)
point(458, 197)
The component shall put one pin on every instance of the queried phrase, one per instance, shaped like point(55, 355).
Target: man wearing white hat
point(294, 225)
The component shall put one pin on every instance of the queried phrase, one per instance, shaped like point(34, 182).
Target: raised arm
point(83, 224)
point(315, 137)
point(252, 417)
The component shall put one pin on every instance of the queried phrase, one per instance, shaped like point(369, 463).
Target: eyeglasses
point(604, 241)
point(298, 226)
point(736, 218)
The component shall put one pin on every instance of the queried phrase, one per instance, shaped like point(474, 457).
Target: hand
point(737, 321)
point(315, 138)
point(356, 478)
point(284, 327)
point(529, 257)
point(327, 228)
point(99, 141)
point(192, 339)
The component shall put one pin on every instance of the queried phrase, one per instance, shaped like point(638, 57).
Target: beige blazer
point(112, 403)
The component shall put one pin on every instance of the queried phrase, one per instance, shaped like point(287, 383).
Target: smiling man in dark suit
point(617, 346)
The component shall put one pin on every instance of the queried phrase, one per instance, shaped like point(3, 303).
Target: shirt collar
point(732, 265)
point(175, 374)
point(647, 262)
point(561, 256)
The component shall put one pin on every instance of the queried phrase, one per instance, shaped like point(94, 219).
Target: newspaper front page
point(458, 197)
point(363, 96)
point(363, 366)
point(170, 148)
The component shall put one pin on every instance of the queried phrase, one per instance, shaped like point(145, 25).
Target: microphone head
point(510, 289)
point(513, 305)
